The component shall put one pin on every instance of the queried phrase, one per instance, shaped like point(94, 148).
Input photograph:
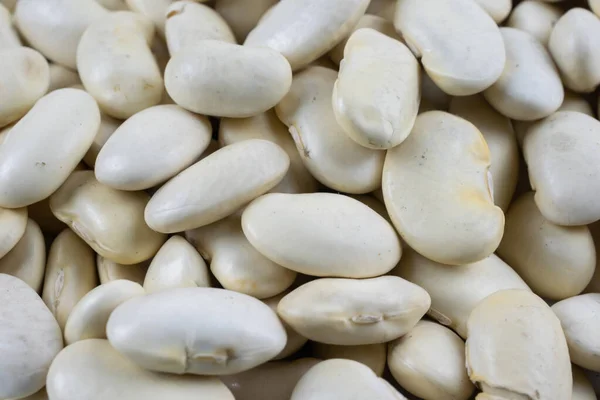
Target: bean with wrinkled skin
point(328, 153)
point(372, 355)
point(304, 30)
point(109, 271)
point(12, 228)
point(295, 341)
point(374, 310)
point(536, 17)
point(243, 15)
point(116, 65)
point(93, 370)
point(88, 318)
point(8, 35)
point(70, 274)
point(176, 264)
point(109, 220)
point(182, 331)
point(366, 99)
point(429, 361)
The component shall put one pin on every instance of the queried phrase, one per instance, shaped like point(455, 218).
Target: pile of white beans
point(299, 200)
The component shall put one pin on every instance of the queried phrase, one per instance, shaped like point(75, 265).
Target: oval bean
point(536, 17)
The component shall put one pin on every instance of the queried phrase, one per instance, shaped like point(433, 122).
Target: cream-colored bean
point(167, 140)
point(154, 10)
point(54, 27)
point(536, 17)
point(372, 355)
point(93, 370)
point(273, 380)
point(8, 35)
point(497, 9)
point(243, 15)
point(108, 125)
point(322, 234)
point(177, 264)
point(268, 127)
point(383, 8)
point(62, 77)
point(354, 311)
point(183, 331)
point(89, 316)
point(27, 259)
point(109, 271)
point(227, 80)
point(516, 348)
point(12, 228)
point(429, 362)
point(561, 154)
point(579, 319)
point(375, 22)
point(41, 213)
point(456, 290)
point(24, 78)
point(109, 220)
point(529, 87)
point(376, 96)
point(575, 49)
point(217, 186)
point(343, 379)
point(31, 338)
point(556, 261)
point(42, 149)
point(113, 5)
point(304, 30)
point(295, 341)
point(450, 217)
point(70, 274)
point(582, 387)
point(235, 263)
point(116, 65)
point(189, 22)
point(328, 153)
point(459, 44)
point(498, 133)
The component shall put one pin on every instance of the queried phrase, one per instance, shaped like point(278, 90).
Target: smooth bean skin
point(167, 139)
point(231, 177)
point(189, 22)
point(372, 355)
point(109, 220)
point(40, 151)
point(429, 361)
point(457, 191)
point(556, 261)
point(177, 264)
point(578, 316)
point(517, 349)
point(243, 15)
point(31, 338)
point(529, 87)
point(109, 271)
point(12, 228)
point(582, 387)
point(500, 137)
point(459, 43)
point(24, 77)
point(366, 99)
point(343, 379)
point(576, 51)
point(304, 30)
point(268, 127)
point(235, 263)
point(116, 65)
point(54, 27)
point(274, 380)
point(8, 35)
point(561, 154)
point(70, 274)
point(536, 17)
point(27, 259)
point(295, 341)
point(227, 80)
point(92, 369)
point(328, 153)
point(62, 77)
point(456, 290)
point(374, 310)
point(88, 318)
point(321, 234)
point(182, 331)
point(497, 9)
